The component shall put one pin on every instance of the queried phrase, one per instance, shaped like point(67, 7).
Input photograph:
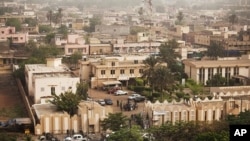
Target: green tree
point(168, 54)
point(96, 20)
point(7, 137)
point(213, 136)
point(242, 118)
point(114, 122)
point(233, 19)
point(136, 29)
point(215, 50)
point(30, 21)
point(194, 87)
point(82, 90)
point(63, 29)
point(74, 58)
point(126, 134)
point(45, 29)
point(217, 80)
point(50, 16)
point(150, 64)
point(49, 37)
point(67, 101)
point(14, 22)
point(162, 78)
point(59, 15)
point(180, 18)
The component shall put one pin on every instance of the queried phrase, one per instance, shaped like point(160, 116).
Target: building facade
point(203, 70)
point(44, 79)
point(87, 120)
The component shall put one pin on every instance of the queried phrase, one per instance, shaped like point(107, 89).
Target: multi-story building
point(44, 79)
point(203, 70)
point(10, 33)
point(137, 47)
point(111, 69)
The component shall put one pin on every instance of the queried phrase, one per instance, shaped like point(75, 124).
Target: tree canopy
point(215, 50)
point(96, 20)
point(15, 23)
point(217, 80)
point(126, 134)
point(67, 101)
point(114, 122)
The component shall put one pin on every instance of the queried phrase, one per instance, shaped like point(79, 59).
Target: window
point(202, 75)
point(80, 50)
point(53, 90)
point(70, 88)
point(131, 71)
point(113, 64)
point(184, 116)
point(236, 71)
point(168, 117)
point(122, 71)
point(192, 116)
point(228, 73)
point(219, 70)
point(42, 89)
point(2, 32)
point(70, 50)
point(102, 72)
point(176, 116)
point(21, 38)
point(140, 70)
point(112, 72)
point(210, 73)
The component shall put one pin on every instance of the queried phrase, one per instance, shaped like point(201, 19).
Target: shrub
point(138, 89)
point(180, 94)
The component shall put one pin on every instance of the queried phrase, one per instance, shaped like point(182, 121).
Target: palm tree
point(59, 16)
point(150, 64)
point(180, 17)
point(163, 78)
point(233, 19)
point(168, 54)
point(50, 16)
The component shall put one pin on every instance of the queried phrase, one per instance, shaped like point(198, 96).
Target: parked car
point(133, 96)
point(76, 137)
point(101, 102)
point(121, 92)
point(140, 99)
point(108, 101)
point(113, 90)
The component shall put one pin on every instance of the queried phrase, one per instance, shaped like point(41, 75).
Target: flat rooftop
point(56, 75)
point(45, 68)
point(218, 63)
point(45, 109)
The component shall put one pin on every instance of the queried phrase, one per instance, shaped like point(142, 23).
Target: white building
point(44, 79)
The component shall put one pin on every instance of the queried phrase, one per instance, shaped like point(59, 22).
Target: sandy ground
point(9, 94)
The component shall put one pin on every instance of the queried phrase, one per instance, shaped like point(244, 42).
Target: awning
point(111, 83)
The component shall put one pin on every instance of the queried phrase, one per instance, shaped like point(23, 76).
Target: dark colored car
point(139, 99)
point(108, 101)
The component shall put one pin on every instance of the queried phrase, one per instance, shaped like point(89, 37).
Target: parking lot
point(100, 94)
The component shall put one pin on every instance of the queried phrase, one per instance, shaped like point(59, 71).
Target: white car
point(76, 137)
point(133, 96)
point(120, 92)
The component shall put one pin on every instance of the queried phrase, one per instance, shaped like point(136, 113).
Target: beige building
point(203, 70)
point(100, 49)
point(226, 101)
point(110, 69)
point(49, 120)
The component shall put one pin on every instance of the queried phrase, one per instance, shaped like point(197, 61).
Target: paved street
point(99, 94)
